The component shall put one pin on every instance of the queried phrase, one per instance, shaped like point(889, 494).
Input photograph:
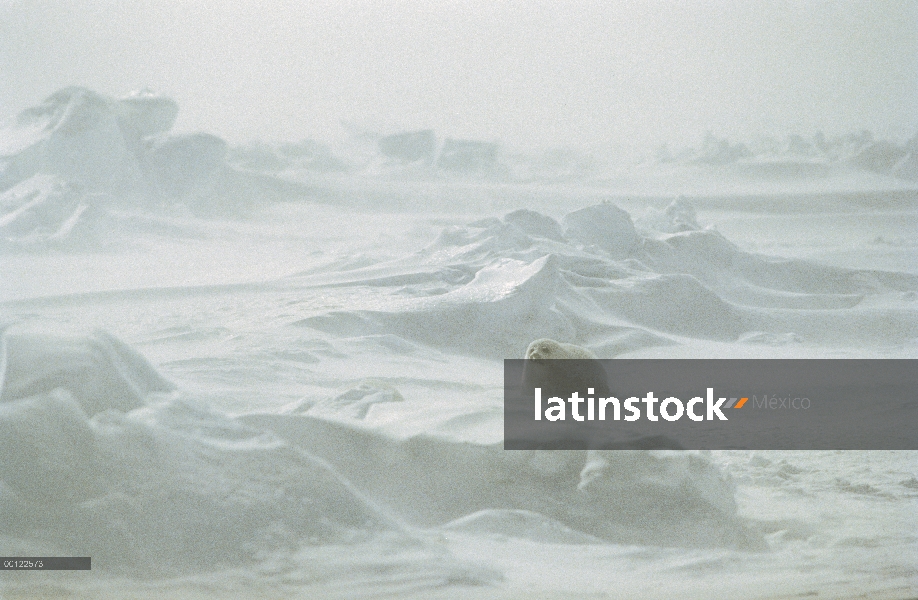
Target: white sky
point(526, 73)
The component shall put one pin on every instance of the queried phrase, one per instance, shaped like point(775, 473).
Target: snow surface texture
point(301, 391)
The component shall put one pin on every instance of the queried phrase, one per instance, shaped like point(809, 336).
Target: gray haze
point(564, 73)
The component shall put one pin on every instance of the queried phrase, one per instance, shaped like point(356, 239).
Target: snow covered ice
point(276, 371)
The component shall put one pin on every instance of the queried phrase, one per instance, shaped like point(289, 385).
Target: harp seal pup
point(546, 349)
point(541, 370)
point(559, 379)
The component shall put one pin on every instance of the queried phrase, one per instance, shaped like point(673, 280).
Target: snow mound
point(493, 286)
point(605, 226)
point(47, 447)
point(168, 489)
point(678, 216)
point(428, 480)
point(534, 224)
point(46, 210)
point(99, 372)
point(356, 402)
point(95, 459)
point(521, 524)
point(180, 164)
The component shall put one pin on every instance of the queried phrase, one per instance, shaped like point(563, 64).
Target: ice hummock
point(69, 163)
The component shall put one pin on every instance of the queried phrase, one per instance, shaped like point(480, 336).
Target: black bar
point(45, 563)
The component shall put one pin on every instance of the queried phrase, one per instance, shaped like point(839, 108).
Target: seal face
point(547, 367)
point(546, 349)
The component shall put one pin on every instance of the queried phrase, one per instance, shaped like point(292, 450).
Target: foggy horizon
point(523, 74)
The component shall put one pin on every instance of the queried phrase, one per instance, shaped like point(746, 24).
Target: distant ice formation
point(797, 157)
point(107, 154)
point(65, 163)
point(84, 138)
